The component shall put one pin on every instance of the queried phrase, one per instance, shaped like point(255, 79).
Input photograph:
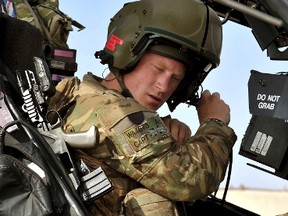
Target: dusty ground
point(262, 202)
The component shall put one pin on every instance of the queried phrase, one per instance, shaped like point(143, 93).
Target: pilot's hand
point(212, 106)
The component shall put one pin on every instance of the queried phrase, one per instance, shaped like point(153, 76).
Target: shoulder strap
point(7, 77)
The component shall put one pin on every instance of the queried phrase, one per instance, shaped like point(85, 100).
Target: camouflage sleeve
point(64, 93)
point(135, 142)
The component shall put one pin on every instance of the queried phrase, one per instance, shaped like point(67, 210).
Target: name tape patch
point(151, 130)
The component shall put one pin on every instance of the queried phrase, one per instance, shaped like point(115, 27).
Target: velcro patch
point(151, 130)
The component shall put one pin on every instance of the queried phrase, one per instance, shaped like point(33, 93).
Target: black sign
point(268, 94)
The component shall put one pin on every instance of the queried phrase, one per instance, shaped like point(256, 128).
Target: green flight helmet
point(185, 30)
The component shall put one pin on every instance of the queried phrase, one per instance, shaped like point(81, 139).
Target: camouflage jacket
point(135, 148)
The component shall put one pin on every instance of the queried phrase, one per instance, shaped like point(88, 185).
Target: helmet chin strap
point(125, 92)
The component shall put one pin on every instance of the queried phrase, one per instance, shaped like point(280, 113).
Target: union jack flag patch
point(9, 8)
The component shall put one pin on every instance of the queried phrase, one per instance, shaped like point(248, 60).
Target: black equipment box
point(266, 137)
